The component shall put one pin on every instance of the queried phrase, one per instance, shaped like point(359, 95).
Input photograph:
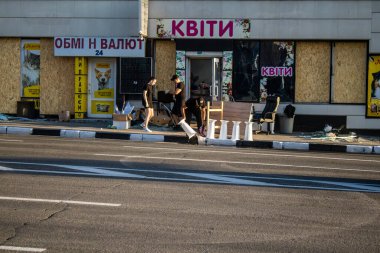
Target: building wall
point(313, 61)
point(374, 45)
point(42, 18)
point(165, 63)
point(279, 19)
point(57, 81)
point(10, 78)
point(349, 72)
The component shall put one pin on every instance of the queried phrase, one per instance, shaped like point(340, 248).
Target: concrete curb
point(87, 134)
point(70, 133)
point(295, 145)
point(3, 130)
point(282, 145)
point(153, 138)
point(359, 149)
point(278, 145)
point(19, 130)
point(218, 142)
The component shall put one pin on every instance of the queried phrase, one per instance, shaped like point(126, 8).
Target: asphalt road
point(75, 195)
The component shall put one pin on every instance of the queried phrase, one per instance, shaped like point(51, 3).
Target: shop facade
point(66, 55)
point(313, 54)
point(320, 56)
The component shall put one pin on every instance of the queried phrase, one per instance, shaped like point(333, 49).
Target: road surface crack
point(53, 214)
point(15, 230)
point(14, 233)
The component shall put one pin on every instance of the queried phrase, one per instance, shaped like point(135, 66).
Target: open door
point(215, 87)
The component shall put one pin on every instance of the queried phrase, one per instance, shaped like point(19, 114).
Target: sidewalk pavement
point(98, 129)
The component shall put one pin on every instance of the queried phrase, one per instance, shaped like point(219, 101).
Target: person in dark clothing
point(147, 101)
point(180, 97)
point(195, 106)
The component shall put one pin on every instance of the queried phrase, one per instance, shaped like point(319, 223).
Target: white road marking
point(236, 162)
point(255, 153)
point(7, 140)
point(60, 201)
point(24, 249)
point(248, 180)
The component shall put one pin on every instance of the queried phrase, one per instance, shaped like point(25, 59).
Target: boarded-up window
point(313, 72)
point(165, 63)
point(57, 80)
point(349, 72)
point(10, 80)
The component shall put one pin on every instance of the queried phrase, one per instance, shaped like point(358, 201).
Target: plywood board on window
point(165, 63)
point(349, 68)
point(10, 82)
point(313, 72)
point(57, 81)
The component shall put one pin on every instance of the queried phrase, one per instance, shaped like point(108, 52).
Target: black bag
point(289, 111)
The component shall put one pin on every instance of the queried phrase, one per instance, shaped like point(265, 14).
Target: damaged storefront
point(66, 56)
point(242, 51)
point(319, 56)
point(97, 70)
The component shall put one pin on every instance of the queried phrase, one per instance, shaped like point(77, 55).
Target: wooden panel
point(165, 63)
point(313, 72)
point(349, 83)
point(57, 81)
point(10, 82)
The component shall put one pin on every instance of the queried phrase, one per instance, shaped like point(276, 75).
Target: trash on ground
point(332, 134)
point(3, 117)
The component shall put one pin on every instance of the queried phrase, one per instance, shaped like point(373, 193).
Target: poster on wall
point(227, 93)
point(277, 70)
point(180, 60)
point(30, 68)
point(373, 87)
point(103, 75)
point(102, 107)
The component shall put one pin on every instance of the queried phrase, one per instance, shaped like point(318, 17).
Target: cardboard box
point(121, 117)
point(122, 121)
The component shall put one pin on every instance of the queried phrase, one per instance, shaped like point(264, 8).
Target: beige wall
point(313, 72)
point(350, 68)
point(10, 78)
point(57, 81)
point(165, 63)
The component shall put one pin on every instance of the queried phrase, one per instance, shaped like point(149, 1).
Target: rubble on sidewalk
point(332, 134)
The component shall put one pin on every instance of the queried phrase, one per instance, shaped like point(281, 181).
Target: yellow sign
point(103, 65)
point(80, 103)
point(32, 91)
point(80, 66)
point(80, 82)
point(80, 86)
point(102, 107)
point(106, 93)
point(373, 87)
point(79, 115)
point(32, 46)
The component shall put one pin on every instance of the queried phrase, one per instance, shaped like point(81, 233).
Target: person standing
point(147, 101)
point(180, 97)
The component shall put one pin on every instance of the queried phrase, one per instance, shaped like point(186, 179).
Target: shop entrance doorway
point(204, 75)
point(101, 87)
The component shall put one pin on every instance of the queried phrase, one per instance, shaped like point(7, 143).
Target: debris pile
point(332, 134)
